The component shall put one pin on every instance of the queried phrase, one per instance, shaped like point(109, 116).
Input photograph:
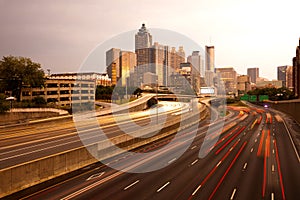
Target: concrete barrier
point(27, 174)
point(291, 107)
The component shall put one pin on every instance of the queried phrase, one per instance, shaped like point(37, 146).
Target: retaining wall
point(22, 176)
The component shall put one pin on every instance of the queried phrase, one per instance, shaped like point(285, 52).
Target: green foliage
point(115, 92)
point(4, 105)
point(39, 101)
point(151, 102)
point(16, 72)
point(274, 93)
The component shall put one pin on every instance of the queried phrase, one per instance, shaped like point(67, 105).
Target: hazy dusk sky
point(60, 34)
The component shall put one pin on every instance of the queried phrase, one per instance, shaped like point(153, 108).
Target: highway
point(23, 144)
point(249, 161)
point(253, 157)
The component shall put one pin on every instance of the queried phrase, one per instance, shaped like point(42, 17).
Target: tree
point(16, 72)
point(4, 105)
point(39, 101)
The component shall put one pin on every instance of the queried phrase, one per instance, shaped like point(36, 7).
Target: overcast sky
point(60, 34)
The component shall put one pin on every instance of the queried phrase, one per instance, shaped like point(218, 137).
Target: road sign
point(245, 97)
point(263, 97)
point(253, 98)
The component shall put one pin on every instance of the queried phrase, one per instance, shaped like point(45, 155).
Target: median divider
point(25, 175)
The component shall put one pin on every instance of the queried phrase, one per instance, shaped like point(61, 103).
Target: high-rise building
point(196, 60)
point(285, 74)
point(119, 64)
point(157, 58)
point(253, 73)
point(143, 39)
point(243, 84)
point(227, 79)
point(113, 56)
point(180, 57)
point(127, 64)
point(210, 58)
point(296, 72)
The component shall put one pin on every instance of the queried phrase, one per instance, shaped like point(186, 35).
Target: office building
point(243, 84)
point(127, 64)
point(285, 74)
point(226, 79)
point(113, 58)
point(143, 39)
point(253, 73)
point(99, 78)
point(119, 64)
point(210, 58)
point(196, 60)
point(296, 72)
point(268, 84)
point(62, 92)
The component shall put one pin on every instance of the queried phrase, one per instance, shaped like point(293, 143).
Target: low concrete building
point(100, 78)
point(62, 92)
point(269, 84)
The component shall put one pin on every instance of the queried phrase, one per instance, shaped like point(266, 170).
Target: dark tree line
point(17, 72)
point(274, 93)
point(115, 92)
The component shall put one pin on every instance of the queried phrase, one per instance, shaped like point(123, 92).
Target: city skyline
point(61, 37)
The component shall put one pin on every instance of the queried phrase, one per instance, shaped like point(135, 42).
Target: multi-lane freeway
point(251, 156)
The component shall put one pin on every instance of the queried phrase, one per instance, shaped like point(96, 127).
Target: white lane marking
point(233, 193)
point(244, 133)
point(196, 190)
point(231, 149)
point(296, 152)
point(219, 163)
point(193, 147)
point(194, 162)
point(273, 151)
point(272, 196)
point(251, 150)
point(273, 168)
point(132, 184)
point(245, 165)
point(95, 176)
point(258, 134)
point(162, 187)
point(172, 160)
point(255, 140)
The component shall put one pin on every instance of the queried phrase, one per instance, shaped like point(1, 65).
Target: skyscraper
point(210, 58)
point(296, 71)
point(143, 39)
point(127, 64)
point(119, 64)
point(243, 84)
point(196, 60)
point(227, 79)
point(253, 73)
point(113, 56)
point(284, 74)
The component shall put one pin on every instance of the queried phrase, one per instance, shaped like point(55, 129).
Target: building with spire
point(143, 39)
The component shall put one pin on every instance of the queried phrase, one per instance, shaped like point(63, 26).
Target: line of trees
point(274, 94)
point(17, 72)
point(108, 93)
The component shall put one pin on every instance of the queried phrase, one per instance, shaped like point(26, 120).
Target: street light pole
point(156, 101)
